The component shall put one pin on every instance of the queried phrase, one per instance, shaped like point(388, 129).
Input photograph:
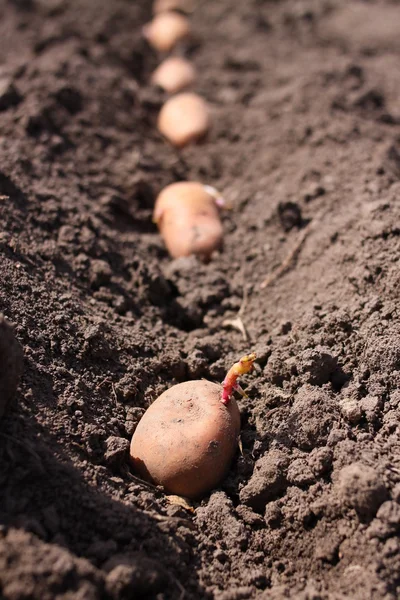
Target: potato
point(184, 119)
point(186, 439)
point(187, 216)
point(174, 74)
point(166, 30)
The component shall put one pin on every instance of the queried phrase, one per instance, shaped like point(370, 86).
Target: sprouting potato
point(187, 438)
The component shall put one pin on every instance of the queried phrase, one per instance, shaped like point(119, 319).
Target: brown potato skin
point(184, 119)
point(187, 439)
point(188, 220)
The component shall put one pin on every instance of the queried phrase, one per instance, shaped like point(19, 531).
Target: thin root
point(138, 480)
point(284, 266)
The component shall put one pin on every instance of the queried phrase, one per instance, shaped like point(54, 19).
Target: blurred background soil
point(305, 145)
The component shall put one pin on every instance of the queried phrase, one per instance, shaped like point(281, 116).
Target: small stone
point(351, 410)
point(371, 406)
point(116, 450)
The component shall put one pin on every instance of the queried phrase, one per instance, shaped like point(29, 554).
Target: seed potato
point(174, 74)
point(187, 216)
point(186, 440)
point(166, 30)
point(184, 119)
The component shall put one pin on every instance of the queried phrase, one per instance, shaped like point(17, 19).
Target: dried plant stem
point(237, 322)
point(285, 265)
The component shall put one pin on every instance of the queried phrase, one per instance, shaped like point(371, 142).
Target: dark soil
point(305, 145)
point(11, 361)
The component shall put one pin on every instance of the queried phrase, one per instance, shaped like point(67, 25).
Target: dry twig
point(180, 501)
point(237, 322)
point(111, 384)
point(284, 266)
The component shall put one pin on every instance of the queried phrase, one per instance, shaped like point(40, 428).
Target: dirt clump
point(361, 488)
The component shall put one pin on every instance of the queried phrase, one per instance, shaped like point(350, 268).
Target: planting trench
point(305, 145)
